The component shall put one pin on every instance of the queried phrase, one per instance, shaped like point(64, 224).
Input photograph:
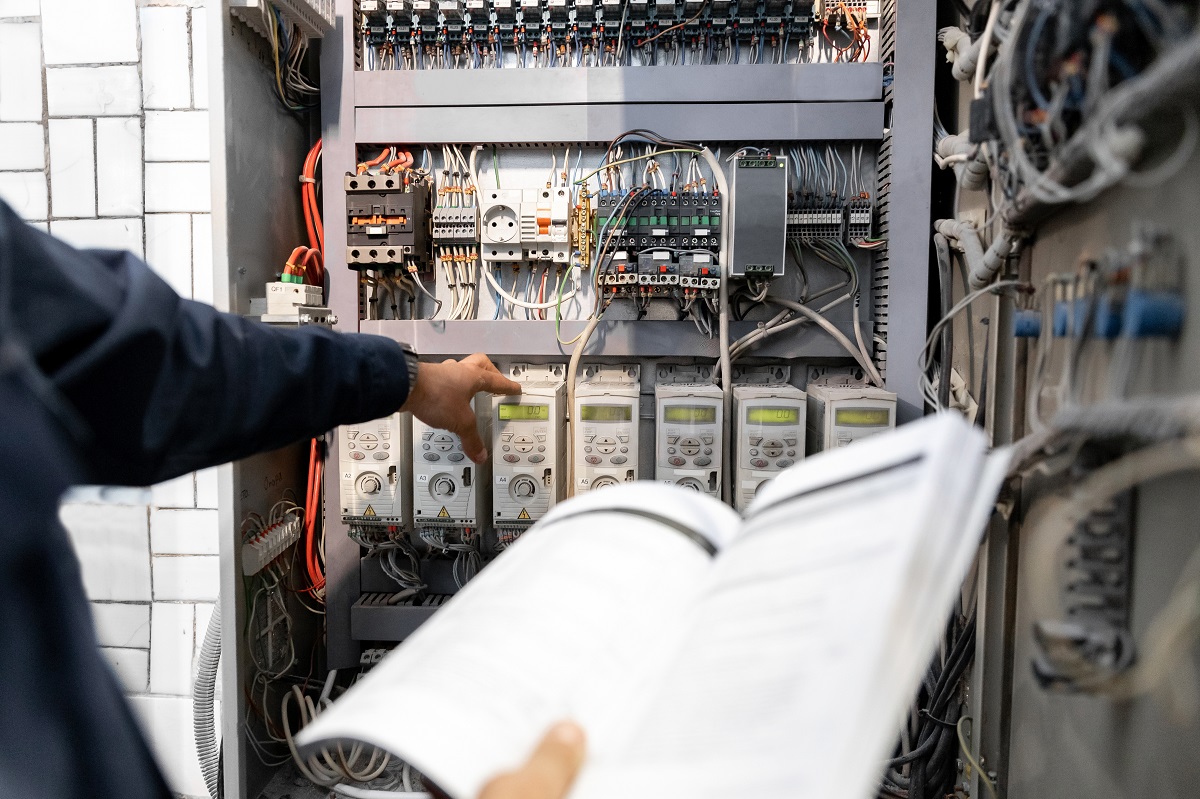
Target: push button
point(358, 456)
point(512, 458)
point(618, 460)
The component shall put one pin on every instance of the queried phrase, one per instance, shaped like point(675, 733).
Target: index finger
point(491, 380)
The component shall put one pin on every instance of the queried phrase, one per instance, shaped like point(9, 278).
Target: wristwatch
point(414, 365)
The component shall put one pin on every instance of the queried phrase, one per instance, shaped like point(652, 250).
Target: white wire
point(985, 44)
point(529, 306)
point(366, 793)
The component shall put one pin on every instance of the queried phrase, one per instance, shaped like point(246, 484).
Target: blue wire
point(1121, 64)
point(1035, 35)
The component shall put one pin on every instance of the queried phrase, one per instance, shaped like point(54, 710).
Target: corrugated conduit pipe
point(204, 726)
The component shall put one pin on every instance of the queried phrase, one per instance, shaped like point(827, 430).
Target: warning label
point(443, 513)
point(370, 511)
point(524, 514)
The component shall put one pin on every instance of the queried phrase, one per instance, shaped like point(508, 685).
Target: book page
point(785, 686)
point(560, 626)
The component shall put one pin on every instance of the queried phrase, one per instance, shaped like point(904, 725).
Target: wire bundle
point(925, 763)
point(289, 48)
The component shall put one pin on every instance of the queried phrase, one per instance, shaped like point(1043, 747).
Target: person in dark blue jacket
point(108, 377)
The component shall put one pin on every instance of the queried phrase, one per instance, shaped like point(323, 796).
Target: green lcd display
point(690, 414)
point(606, 413)
point(510, 412)
point(764, 415)
point(862, 417)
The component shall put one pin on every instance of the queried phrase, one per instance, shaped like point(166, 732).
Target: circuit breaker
point(688, 435)
point(840, 415)
point(759, 223)
point(605, 448)
point(528, 438)
point(374, 471)
point(448, 489)
point(769, 436)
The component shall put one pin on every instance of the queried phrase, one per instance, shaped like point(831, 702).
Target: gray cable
point(203, 711)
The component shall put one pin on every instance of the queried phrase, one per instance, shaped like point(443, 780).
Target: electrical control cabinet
point(689, 435)
point(759, 224)
point(607, 400)
point(528, 446)
point(374, 463)
point(840, 415)
point(449, 490)
point(768, 438)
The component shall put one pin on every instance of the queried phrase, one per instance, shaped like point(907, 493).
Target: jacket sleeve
point(165, 385)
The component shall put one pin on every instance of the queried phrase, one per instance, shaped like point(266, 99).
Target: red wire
point(308, 194)
point(313, 564)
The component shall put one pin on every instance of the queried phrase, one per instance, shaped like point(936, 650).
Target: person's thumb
point(550, 770)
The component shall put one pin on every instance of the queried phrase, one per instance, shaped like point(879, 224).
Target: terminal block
point(455, 225)
point(858, 219)
point(386, 222)
point(817, 222)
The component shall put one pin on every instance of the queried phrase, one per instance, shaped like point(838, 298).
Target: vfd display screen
point(862, 417)
point(763, 415)
point(511, 412)
point(690, 414)
point(606, 413)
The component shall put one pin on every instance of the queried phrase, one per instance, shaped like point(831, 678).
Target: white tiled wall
point(104, 142)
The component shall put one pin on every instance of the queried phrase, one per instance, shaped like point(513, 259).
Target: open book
point(705, 655)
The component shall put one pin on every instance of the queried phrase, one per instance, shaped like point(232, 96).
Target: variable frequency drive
point(606, 426)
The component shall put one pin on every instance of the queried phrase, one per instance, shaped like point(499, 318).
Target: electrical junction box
point(759, 217)
point(448, 489)
point(517, 225)
point(607, 400)
point(689, 432)
point(840, 415)
point(528, 449)
point(374, 471)
point(770, 422)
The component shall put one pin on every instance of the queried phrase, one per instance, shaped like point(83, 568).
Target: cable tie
point(306, 179)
